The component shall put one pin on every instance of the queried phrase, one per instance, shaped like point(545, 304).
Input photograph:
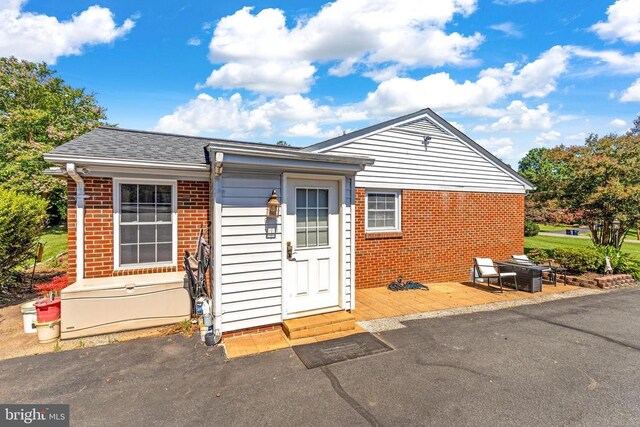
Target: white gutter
point(71, 170)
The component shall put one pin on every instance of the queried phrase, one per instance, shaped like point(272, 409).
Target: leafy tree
point(38, 112)
point(635, 130)
point(22, 218)
point(603, 184)
point(283, 143)
point(544, 171)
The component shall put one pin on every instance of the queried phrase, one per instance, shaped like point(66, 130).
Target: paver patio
point(377, 303)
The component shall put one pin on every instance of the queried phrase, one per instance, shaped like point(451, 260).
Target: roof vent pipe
point(71, 170)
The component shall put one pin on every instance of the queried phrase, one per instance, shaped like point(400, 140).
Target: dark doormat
point(340, 349)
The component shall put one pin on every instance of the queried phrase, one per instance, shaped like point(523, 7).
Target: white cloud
point(611, 60)
point(38, 37)
point(208, 114)
point(399, 95)
point(518, 117)
point(619, 123)
point(381, 74)
point(311, 129)
point(539, 78)
point(268, 77)
point(632, 93)
point(499, 147)
point(350, 32)
point(623, 22)
point(580, 136)
point(508, 28)
point(194, 41)
point(439, 91)
point(291, 115)
point(543, 138)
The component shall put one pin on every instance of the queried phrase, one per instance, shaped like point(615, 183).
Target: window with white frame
point(146, 223)
point(383, 210)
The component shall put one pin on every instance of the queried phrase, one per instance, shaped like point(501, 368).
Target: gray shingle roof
point(116, 143)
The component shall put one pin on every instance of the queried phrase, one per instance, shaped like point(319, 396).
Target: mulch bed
point(21, 291)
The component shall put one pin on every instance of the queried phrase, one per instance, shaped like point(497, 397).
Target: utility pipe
point(71, 171)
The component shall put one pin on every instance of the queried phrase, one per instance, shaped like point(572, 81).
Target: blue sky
point(512, 74)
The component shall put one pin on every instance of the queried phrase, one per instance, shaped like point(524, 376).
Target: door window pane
point(146, 230)
point(312, 217)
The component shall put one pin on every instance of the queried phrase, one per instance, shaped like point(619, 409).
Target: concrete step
point(321, 324)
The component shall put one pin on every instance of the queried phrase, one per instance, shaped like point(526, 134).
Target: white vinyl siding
point(251, 251)
point(447, 163)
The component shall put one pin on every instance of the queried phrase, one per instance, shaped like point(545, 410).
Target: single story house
point(411, 197)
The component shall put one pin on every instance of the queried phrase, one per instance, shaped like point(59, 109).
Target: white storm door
point(312, 246)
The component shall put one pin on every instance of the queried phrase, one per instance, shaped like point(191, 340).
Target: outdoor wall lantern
point(426, 140)
point(273, 206)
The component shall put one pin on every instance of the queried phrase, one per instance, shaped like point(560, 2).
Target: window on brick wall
point(382, 210)
point(145, 223)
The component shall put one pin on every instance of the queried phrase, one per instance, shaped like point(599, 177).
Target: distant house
point(412, 196)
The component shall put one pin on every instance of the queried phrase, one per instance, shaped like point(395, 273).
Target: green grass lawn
point(552, 242)
point(55, 242)
point(550, 228)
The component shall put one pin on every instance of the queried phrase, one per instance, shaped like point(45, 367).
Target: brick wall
point(441, 234)
point(193, 212)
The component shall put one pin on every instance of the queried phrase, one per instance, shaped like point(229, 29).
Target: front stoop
point(321, 324)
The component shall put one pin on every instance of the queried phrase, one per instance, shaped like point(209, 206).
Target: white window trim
point(398, 199)
point(116, 222)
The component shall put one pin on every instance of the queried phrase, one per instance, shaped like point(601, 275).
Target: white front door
point(312, 238)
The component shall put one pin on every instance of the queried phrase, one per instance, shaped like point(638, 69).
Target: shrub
point(540, 256)
point(531, 229)
point(621, 262)
point(579, 260)
point(22, 219)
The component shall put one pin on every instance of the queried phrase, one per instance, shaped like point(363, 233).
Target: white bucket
point(204, 330)
point(48, 331)
point(29, 317)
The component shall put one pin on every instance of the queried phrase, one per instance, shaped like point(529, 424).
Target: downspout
point(216, 242)
point(71, 171)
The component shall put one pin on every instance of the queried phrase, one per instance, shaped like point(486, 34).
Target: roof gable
point(428, 123)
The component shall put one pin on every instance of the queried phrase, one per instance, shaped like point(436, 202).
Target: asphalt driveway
point(567, 362)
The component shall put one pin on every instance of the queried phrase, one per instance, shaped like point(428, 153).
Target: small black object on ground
point(399, 285)
point(340, 349)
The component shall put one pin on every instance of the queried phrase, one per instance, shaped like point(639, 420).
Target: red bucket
point(47, 310)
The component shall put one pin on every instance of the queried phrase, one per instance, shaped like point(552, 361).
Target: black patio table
point(529, 277)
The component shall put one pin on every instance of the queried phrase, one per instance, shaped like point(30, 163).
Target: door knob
point(289, 251)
